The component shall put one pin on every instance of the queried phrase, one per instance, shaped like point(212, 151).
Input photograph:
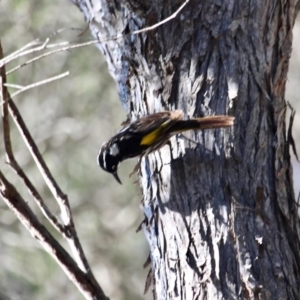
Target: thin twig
point(89, 288)
point(11, 158)
point(69, 47)
point(50, 46)
point(20, 53)
point(16, 53)
point(60, 197)
point(48, 53)
point(10, 195)
point(44, 45)
point(163, 21)
point(30, 86)
point(14, 86)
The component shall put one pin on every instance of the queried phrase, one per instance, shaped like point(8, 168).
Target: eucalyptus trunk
point(220, 213)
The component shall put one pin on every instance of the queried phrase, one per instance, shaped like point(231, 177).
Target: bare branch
point(30, 86)
point(45, 45)
point(86, 282)
point(61, 198)
point(89, 288)
point(11, 159)
point(47, 53)
point(14, 86)
point(7, 58)
point(163, 21)
point(19, 53)
point(37, 49)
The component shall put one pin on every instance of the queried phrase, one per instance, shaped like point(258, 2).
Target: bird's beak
point(117, 177)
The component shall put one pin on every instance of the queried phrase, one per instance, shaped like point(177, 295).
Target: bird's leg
point(180, 135)
point(137, 166)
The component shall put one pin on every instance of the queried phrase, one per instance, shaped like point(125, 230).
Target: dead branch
point(36, 84)
point(11, 158)
point(84, 280)
point(88, 287)
point(163, 21)
point(65, 47)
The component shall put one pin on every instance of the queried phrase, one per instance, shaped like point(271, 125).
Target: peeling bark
point(220, 214)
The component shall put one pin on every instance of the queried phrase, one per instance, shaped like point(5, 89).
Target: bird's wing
point(151, 122)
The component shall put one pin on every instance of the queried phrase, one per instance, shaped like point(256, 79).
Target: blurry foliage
point(69, 120)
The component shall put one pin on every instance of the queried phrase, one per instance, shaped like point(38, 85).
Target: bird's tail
point(202, 123)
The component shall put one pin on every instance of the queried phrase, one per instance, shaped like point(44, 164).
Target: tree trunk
point(220, 215)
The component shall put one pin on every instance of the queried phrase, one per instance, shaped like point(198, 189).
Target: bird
point(150, 133)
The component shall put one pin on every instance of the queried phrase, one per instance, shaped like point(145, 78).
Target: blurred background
point(69, 119)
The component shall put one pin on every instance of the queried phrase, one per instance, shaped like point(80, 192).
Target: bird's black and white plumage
point(150, 133)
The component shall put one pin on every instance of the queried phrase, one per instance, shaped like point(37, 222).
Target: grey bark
point(220, 215)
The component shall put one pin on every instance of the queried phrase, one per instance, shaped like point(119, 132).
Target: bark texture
point(220, 215)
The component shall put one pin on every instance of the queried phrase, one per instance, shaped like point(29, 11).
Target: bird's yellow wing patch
point(151, 137)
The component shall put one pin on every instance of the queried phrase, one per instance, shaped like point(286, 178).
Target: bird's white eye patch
point(114, 150)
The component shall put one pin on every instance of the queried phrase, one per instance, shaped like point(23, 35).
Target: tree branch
point(163, 21)
point(89, 288)
point(30, 86)
point(84, 279)
point(60, 197)
point(4, 94)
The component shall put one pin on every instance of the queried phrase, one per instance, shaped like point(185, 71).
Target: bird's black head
point(109, 159)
